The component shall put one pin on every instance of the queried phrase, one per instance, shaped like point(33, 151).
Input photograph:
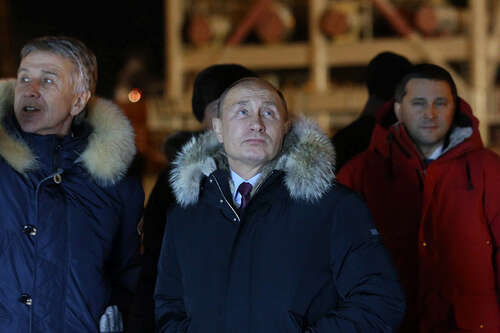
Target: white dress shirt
point(237, 180)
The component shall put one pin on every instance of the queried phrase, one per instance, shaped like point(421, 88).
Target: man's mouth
point(255, 140)
point(29, 108)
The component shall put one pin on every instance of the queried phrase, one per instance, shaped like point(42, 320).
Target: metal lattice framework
point(479, 49)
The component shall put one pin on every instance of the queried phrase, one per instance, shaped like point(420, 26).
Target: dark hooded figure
point(382, 76)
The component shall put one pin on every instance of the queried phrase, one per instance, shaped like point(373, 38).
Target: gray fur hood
point(110, 149)
point(307, 159)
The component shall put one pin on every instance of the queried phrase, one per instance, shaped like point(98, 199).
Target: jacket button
point(481, 325)
point(30, 230)
point(424, 244)
point(221, 201)
point(57, 178)
point(488, 242)
point(26, 299)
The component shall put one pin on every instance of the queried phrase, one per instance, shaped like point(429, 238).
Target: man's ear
point(217, 125)
point(397, 110)
point(79, 102)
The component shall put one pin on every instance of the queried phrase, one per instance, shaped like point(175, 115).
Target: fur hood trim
point(110, 148)
point(307, 158)
point(15, 152)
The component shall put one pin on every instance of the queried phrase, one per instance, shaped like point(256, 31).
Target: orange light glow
point(134, 95)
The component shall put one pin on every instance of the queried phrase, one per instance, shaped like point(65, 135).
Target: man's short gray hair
point(72, 49)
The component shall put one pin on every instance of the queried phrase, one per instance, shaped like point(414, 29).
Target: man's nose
point(430, 112)
point(257, 124)
point(33, 90)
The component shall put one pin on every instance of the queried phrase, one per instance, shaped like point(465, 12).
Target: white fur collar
point(110, 149)
point(307, 158)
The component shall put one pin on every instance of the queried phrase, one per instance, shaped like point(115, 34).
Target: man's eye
point(24, 79)
point(418, 103)
point(243, 111)
point(48, 80)
point(268, 113)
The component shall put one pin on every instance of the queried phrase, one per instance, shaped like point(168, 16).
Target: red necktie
point(244, 189)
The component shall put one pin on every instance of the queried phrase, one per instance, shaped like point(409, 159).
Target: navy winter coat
point(304, 256)
point(68, 216)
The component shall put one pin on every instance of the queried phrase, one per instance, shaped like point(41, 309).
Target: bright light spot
point(134, 95)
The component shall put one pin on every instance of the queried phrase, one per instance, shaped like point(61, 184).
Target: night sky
point(112, 29)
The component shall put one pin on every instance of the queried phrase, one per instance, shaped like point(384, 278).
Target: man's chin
point(257, 154)
point(29, 128)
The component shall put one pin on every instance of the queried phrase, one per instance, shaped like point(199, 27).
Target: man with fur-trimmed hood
point(262, 240)
point(68, 240)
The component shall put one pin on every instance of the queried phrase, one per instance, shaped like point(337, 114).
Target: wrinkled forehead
point(47, 61)
point(252, 90)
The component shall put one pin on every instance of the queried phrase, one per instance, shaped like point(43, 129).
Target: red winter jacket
point(441, 224)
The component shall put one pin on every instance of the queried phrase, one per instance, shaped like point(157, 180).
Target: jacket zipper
point(224, 197)
point(37, 190)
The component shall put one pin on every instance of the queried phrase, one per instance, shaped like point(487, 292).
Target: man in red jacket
point(433, 190)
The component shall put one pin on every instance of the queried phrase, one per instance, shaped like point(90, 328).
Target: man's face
point(252, 125)
point(427, 112)
point(45, 100)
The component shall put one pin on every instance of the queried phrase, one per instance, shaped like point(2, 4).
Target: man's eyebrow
point(239, 103)
point(49, 72)
point(270, 103)
point(21, 69)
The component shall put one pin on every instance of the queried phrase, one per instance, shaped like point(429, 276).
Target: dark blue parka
point(68, 217)
point(304, 255)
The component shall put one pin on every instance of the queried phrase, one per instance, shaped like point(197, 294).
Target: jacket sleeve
point(170, 312)
point(370, 298)
point(492, 204)
point(124, 263)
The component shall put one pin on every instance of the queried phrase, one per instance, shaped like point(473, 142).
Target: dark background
point(114, 30)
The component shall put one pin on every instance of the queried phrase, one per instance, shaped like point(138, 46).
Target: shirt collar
point(237, 180)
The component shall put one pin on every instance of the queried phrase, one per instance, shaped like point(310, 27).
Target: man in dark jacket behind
point(68, 211)
point(262, 240)
point(383, 73)
point(434, 190)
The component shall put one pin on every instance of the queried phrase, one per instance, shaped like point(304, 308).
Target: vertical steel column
point(318, 48)
point(479, 64)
